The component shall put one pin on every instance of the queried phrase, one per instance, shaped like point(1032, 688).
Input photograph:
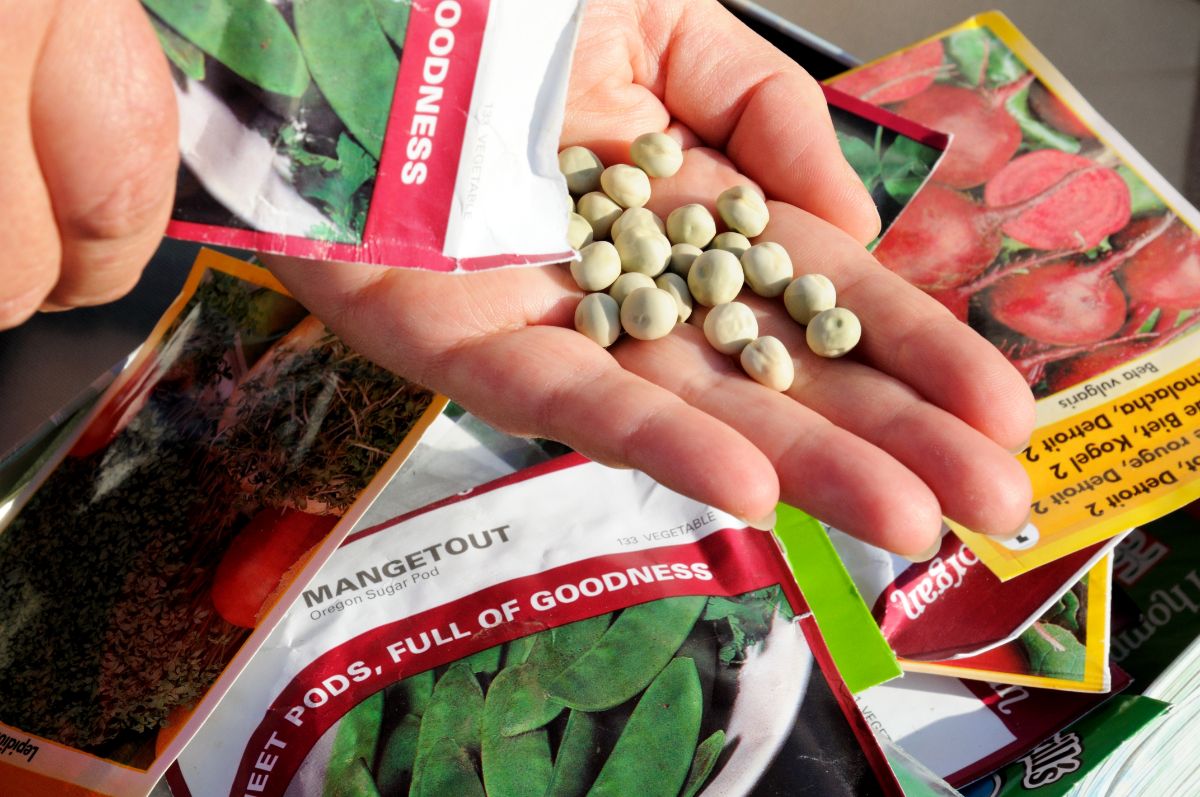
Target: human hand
point(88, 179)
point(914, 426)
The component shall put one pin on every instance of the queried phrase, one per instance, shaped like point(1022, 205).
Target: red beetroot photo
point(1032, 229)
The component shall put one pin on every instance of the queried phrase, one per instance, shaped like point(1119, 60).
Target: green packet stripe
point(851, 634)
point(1056, 766)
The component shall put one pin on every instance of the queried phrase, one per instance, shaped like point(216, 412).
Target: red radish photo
point(1027, 230)
point(1065, 201)
point(1055, 112)
point(260, 561)
point(985, 135)
point(942, 240)
point(898, 78)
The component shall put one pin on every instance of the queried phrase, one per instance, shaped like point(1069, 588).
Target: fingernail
point(925, 555)
point(48, 307)
point(1020, 449)
point(1015, 532)
point(762, 524)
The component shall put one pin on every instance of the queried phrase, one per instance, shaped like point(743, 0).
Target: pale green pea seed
point(599, 318)
point(579, 232)
point(808, 295)
point(715, 278)
point(768, 268)
point(649, 314)
point(657, 154)
point(743, 210)
point(730, 327)
point(581, 168)
point(833, 332)
point(637, 218)
point(626, 185)
point(600, 212)
point(682, 256)
point(733, 242)
point(643, 251)
point(767, 362)
point(628, 283)
point(677, 287)
point(691, 224)
point(598, 266)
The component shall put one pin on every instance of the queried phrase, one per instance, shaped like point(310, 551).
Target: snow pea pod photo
point(300, 91)
point(352, 62)
point(638, 701)
point(250, 37)
point(641, 641)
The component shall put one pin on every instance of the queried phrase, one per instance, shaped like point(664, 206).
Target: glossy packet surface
point(419, 135)
point(1048, 233)
point(951, 615)
point(572, 627)
point(150, 554)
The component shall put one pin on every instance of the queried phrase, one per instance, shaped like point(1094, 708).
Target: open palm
point(915, 426)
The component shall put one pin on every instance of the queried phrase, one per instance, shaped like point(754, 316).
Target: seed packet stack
point(1044, 230)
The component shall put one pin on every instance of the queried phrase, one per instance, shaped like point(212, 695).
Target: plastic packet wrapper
point(420, 135)
point(571, 624)
point(963, 730)
point(950, 615)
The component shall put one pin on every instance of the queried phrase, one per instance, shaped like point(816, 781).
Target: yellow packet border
point(1096, 677)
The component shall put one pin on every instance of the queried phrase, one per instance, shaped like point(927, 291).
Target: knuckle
point(137, 202)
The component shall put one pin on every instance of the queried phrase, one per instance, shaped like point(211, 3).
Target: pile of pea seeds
point(643, 275)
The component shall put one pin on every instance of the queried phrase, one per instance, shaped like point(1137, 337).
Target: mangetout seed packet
point(421, 135)
point(1051, 236)
point(223, 464)
point(570, 629)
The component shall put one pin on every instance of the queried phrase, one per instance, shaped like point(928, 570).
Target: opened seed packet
point(421, 135)
point(570, 629)
point(1045, 231)
point(147, 559)
point(950, 615)
point(1066, 647)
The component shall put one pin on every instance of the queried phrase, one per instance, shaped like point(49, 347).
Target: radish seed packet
point(1045, 231)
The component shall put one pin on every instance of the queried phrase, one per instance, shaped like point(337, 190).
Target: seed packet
point(1059, 764)
point(1064, 648)
point(951, 615)
point(963, 730)
point(569, 627)
point(1047, 232)
point(147, 559)
point(893, 156)
point(421, 135)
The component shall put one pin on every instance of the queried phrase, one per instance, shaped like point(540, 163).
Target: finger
point(103, 118)
point(736, 92)
point(977, 483)
point(910, 335)
point(28, 236)
point(827, 471)
point(555, 383)
point(532, 380)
